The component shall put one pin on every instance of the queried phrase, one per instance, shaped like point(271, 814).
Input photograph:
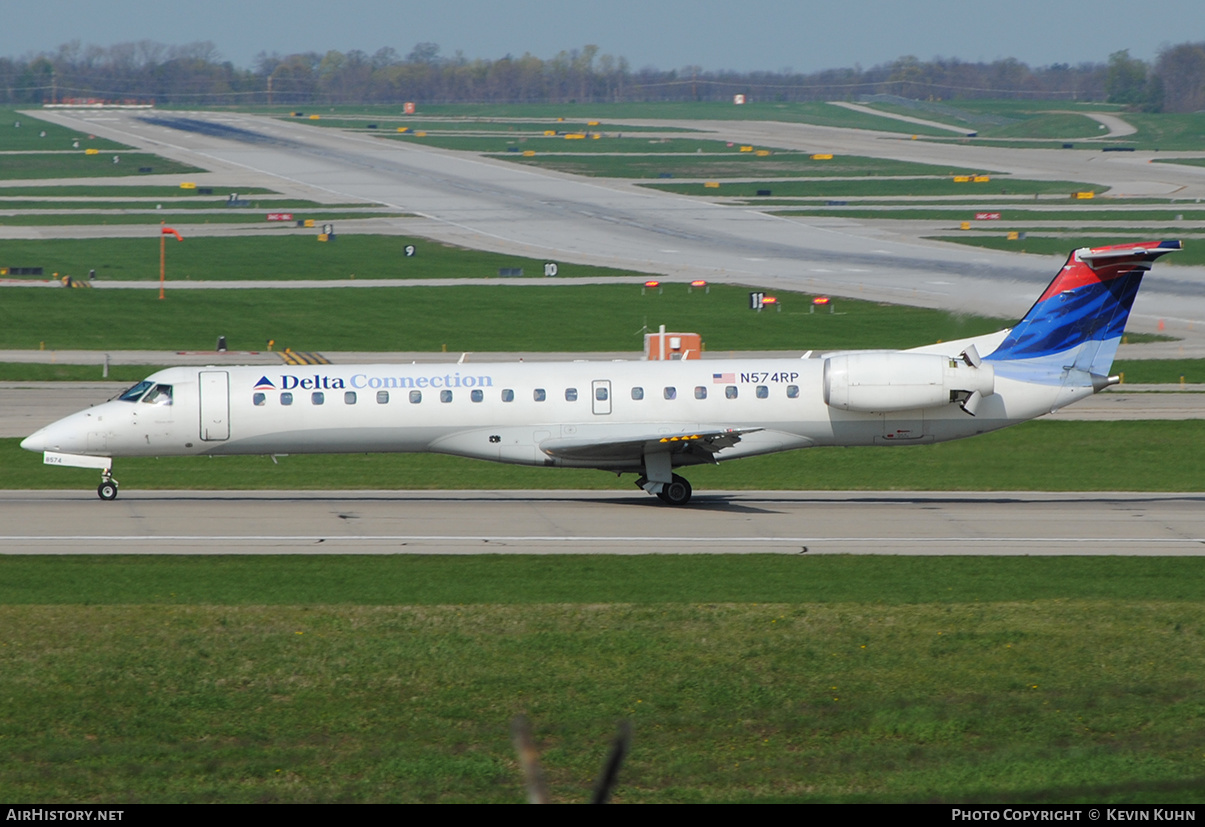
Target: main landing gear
point(675, 492)
point(107, 490)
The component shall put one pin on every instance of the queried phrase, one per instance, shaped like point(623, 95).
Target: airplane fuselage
point(508, 412)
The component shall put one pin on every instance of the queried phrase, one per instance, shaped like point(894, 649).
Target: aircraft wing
point(705, 443)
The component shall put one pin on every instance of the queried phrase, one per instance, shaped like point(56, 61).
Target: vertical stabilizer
point(1074, 328)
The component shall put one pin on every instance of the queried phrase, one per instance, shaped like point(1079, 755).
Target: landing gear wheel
point(107, 490)
point(676, 492)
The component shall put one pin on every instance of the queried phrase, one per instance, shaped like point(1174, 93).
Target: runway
point(592, 522)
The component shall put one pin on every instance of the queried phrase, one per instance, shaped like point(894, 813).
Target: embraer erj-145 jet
point(644, 418)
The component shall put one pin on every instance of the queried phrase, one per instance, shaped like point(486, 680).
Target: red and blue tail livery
point(1078, 321)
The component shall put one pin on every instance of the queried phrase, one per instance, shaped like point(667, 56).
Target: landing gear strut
point(107, 490)
point(675, 492)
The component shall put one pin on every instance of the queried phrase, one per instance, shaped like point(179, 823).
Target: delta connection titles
point(1094, 814)
point(359, 381)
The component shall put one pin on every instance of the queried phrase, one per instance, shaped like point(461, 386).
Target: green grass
point(472, 318)
point(1192, 254)
point(1142, 456)
point(817, 113)
point(1020, 108)
point(1160, 371)
point(526, 580)
point(1165, 131)
point(127, 191)
point(59, 372)
point(78, 165)
point(1036, 125)
point(1008, 215)
point(388, 126)
point(877, 187)
point(282, 257)
point(29, 136)
point(749, 678)
point(177, 205)
point(733, 164)
point(154, 218)
point(559, 144)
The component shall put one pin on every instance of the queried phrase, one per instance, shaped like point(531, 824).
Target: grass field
point(78, 165)
point(34, 135)
point(265, 257)
point(820, 114)
point(173, 205)
point(1008, 215)
point(154, 218)
point(746, 679)
point(456, 125)
point(877, 187)
point(1141, 456)
point(731, 164)
point(1029, 124)
point(126, 191)
point(557, 144)
point(486, 318)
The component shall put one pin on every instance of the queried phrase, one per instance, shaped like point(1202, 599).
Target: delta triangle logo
point(264, 384)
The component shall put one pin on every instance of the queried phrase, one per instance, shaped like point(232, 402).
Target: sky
point(770, 35)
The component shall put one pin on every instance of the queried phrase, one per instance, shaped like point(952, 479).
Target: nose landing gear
point(107, 490)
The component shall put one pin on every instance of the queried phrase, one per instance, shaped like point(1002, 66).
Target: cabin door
point(600, 396)
point(215, 405)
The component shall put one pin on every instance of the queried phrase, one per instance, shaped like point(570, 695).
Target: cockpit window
point(135, 393)
point(159, 395)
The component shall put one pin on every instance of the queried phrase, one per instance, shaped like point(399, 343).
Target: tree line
point(195, 74)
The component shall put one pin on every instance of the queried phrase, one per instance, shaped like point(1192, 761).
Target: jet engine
point(883, 382)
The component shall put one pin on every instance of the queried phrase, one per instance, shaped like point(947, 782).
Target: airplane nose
point(35, 442)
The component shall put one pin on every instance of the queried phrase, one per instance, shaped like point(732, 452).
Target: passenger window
point(318, 397)
point(539, 395)
point(258, 399)
point(570, 394)
point(161, 395)
point(671, 393)
point(600, 393)
point(638, 393)
point(349, 397)
point(792, 391)
point(416, 397)
point(445, 396)
point(508, 395)
point(382, 397)
point(477, 395)
point(763, 392)
point(730, 392)
point(700, 392)
point(286, 398)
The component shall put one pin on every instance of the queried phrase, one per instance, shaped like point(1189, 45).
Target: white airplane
point(644, 417)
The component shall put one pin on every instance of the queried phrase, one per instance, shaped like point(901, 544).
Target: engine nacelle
point(884, 382)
